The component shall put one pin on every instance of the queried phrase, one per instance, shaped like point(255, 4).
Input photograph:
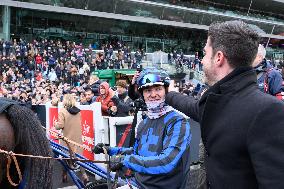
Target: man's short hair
point(121, 83)
point(88, 89)
point(237, 40)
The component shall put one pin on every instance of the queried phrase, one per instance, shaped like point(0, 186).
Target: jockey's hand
point(116, 162)
point(98, 149)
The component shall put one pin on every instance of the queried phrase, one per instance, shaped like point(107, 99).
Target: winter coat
point(73, 79)
point(38, 59)
point(242, 130)
point(105, 100)
point(52, 76)
point(69, 120)
point(268, 75)
point(123, 104)
point(51, 61)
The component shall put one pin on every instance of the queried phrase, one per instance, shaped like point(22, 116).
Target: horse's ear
point(5, 103)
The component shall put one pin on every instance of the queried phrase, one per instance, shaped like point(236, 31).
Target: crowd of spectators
point(180, 61)
point(43, 71)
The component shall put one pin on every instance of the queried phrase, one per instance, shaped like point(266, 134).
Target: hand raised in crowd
point(172, 86)
point(136, 75)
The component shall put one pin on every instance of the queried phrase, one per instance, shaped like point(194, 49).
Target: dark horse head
point(21, 132)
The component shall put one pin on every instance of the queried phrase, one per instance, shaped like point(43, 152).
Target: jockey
point(160, 155)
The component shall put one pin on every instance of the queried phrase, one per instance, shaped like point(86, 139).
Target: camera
point(111, 113)
point(139, 68)
point(139, 104)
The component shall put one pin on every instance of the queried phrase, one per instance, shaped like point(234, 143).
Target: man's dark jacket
point(123, 104)
point(242, 131)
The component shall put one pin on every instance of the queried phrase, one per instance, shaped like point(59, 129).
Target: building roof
point(268, 6)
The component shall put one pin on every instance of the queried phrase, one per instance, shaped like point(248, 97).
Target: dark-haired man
point(241, 127)
point(121, 101)
point(89, 94)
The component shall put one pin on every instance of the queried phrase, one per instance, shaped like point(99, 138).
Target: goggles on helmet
point(149, 80)
point(152, 76)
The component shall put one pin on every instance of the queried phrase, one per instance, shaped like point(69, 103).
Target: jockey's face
point(7, 142)
point(154, 93)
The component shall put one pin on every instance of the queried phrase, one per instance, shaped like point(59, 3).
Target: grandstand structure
point(152, 25)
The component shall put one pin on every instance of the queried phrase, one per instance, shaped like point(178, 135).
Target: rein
point(12, 158)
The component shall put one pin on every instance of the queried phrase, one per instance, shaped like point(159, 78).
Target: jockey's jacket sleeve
point(120, 150)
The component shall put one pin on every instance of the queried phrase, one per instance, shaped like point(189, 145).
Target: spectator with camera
point(121, 100)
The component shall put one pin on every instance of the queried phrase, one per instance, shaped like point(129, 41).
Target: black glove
point(111, 113)
point(98, 149)
point(116, 163)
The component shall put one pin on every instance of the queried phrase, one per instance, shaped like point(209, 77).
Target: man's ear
point(219, 58)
